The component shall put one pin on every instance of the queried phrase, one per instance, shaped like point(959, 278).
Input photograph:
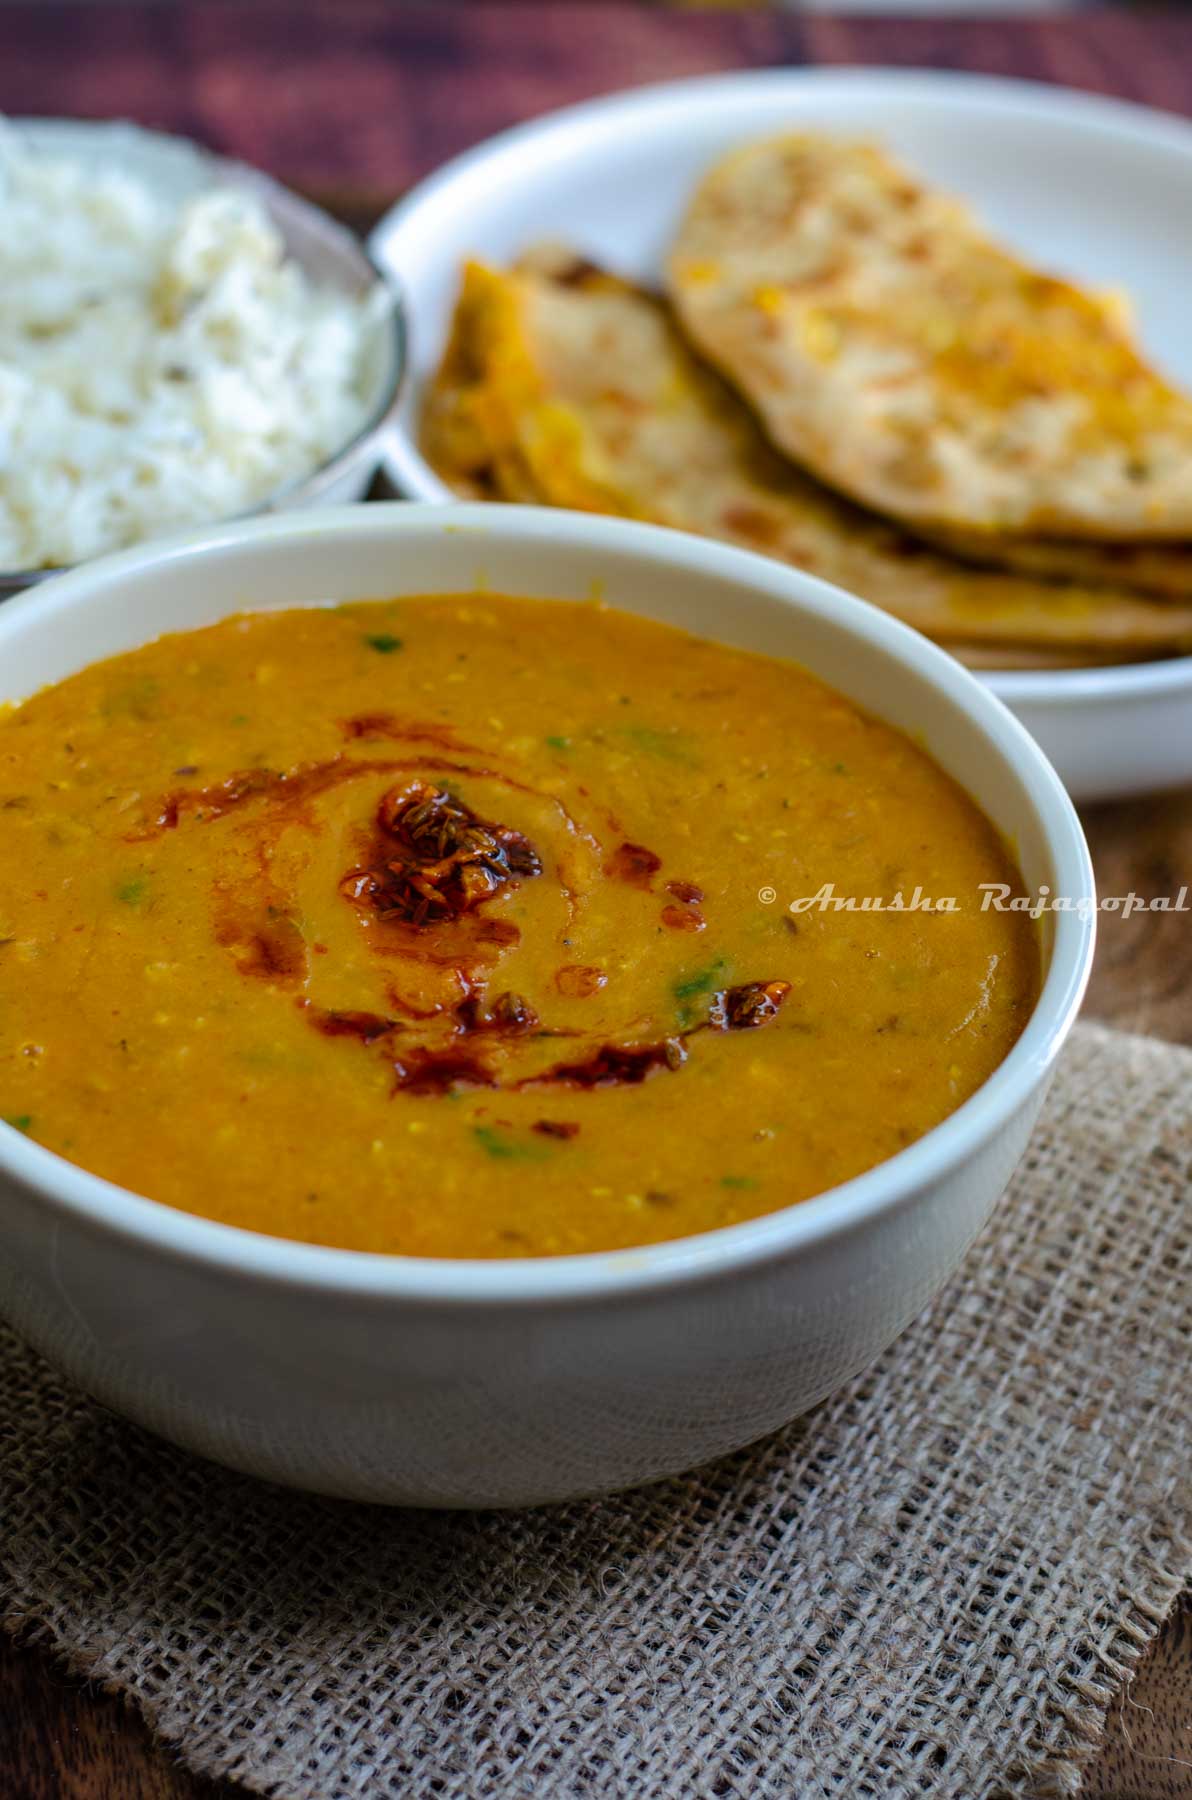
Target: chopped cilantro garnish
point(132, 891)
point(383, 642)
point(136, 699)
point(501, 1145)
point(671, 746)
point(701, 982)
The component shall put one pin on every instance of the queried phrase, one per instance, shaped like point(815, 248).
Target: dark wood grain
point(1142, 978)
point(370, 93)
point(1147, 1752)
point(353, 101)
point(63, 1740)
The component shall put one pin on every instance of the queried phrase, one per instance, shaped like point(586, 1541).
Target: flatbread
point(898, 353)
point(562, 385)
point(1164, 570)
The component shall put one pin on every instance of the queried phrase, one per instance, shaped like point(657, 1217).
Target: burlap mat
point(933, 1585)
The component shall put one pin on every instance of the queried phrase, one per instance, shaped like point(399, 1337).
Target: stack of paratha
point(888, 400)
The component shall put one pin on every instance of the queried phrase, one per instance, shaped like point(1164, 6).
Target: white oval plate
point(1089, 187)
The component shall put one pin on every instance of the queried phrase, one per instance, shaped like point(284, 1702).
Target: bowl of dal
point(502, 1005)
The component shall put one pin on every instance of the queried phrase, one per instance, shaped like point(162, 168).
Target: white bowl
point(325, 250)
point(1083, 185)
point(473, 1383)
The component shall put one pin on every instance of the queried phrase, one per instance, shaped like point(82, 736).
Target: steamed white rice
point(161, 363)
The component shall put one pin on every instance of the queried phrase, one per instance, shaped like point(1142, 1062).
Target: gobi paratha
point(898, 353)
point(1161, 569)
point(564, 385)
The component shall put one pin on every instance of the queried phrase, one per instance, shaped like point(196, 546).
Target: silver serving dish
point(325, 249)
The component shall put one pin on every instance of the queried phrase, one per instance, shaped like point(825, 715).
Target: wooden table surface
point(354, 100)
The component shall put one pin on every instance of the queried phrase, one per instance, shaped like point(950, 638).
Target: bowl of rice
point(182, 341)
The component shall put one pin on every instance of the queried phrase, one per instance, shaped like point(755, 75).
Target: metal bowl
point(326, 250)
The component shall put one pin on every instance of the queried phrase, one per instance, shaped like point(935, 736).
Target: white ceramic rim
point(502, 157)
point(600, 1275)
